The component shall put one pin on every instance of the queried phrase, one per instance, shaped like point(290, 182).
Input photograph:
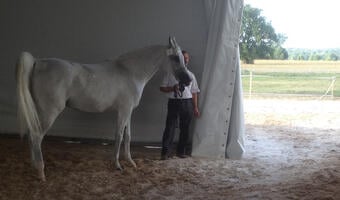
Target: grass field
point(291, 77)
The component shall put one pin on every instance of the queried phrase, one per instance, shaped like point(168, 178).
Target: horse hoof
point(41, 174)
point(119, 168)
point(42, 177)
point(133, 164)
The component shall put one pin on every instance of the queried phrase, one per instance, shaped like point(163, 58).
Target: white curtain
point(219, 132)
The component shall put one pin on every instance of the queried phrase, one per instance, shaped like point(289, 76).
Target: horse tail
point(27, 113)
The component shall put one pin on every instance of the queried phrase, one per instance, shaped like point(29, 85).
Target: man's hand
point(176, 88)
point(197, 112)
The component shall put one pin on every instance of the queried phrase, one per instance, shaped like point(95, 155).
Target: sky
point(313, 24)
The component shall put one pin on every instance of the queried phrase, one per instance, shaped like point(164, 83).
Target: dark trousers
point(181, 109)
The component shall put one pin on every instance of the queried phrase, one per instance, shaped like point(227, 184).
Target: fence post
point(250, 83)
point(332, 87)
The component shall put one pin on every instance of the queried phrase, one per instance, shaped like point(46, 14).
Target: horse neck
point(144, 63)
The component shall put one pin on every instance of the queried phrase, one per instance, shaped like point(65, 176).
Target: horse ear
point(172, 42)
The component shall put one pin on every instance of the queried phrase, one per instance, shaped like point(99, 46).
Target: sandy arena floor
point(293, 152)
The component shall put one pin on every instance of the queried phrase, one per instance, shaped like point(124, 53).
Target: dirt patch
point(293, 152)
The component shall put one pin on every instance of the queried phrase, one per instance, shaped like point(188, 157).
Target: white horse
point(46, 86)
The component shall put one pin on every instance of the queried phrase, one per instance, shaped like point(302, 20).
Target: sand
point(292, 152)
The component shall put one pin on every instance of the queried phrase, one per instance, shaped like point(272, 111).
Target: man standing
point(182, 105)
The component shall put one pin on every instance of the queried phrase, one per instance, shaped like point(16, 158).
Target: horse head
point(178, 66)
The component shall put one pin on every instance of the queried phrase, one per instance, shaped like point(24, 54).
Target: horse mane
point(128, 60)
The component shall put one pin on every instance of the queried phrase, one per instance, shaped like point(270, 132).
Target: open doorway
point(292, 102)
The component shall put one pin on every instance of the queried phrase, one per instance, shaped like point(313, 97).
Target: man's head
point(186, 57)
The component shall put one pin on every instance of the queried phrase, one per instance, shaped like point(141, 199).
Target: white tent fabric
point(220, 130)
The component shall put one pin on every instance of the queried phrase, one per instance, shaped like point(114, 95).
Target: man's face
point(186, 58)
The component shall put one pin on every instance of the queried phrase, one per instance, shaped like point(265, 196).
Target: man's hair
point(184, 51)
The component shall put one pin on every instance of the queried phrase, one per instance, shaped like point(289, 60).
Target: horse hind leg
point(36, 140)
point(127, 140)
point(36, 155)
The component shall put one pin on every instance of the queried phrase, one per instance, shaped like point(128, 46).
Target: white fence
point(329, 92)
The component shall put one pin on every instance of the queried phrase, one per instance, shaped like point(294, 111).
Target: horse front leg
point(127, 140)
point(121, 123)
point(118, 141)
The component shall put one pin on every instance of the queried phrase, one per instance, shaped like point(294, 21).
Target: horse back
point(103, 87)
point(86, 87)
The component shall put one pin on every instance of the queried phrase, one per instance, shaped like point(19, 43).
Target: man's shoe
point(164, 157)
point(182, 156)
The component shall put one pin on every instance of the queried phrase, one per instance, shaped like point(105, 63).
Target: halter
point(175, 50)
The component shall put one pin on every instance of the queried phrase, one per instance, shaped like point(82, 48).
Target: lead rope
point(177, 93)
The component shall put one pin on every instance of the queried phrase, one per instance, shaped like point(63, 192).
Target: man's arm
point(195, 104)
point(169, 89)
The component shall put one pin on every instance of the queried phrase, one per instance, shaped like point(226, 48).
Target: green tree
point(315, 56)
point(258, 39)
point(280, 53)
point(331, 57)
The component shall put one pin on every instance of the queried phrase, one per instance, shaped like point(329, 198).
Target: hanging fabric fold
point(219, 132)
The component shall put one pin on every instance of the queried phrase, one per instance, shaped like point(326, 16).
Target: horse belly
point(101, 99)
point(93, 92)
point(90, 103)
